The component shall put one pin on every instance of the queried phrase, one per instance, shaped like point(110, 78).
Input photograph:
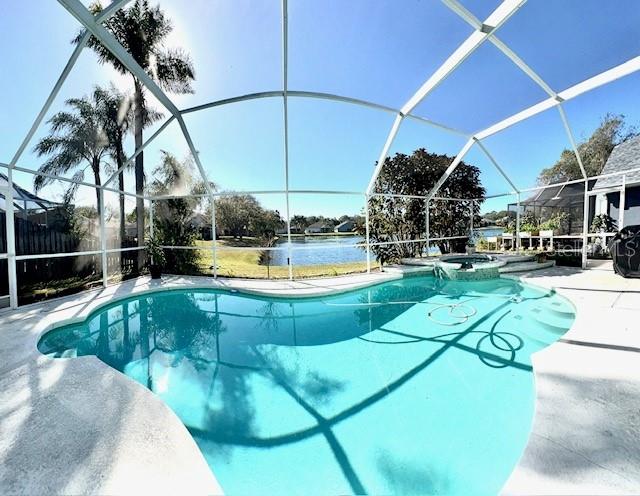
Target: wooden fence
point(37, 239)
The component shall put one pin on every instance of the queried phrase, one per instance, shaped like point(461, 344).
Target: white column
point(11, 241)
point(150, 218)
point(585, 227)
point(471, 220)
point(366, 225)
point(214, 236)
point(103, 240)
point(427, 227)
point(623, 201)
point(517, 233)
point(285, 85)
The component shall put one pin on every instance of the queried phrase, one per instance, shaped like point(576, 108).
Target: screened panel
point(68, 222)
point(45, 278)
point(4, 283)
point(361, 47)
point(525, 149)
point(235, 46)
point(484, 89)
point(332, 145)
point(30, 68)
point(327, 234)
point(605, 113)
point(481, 8)
point(93, 99)
point(241, 145)
point(251, 231)
point(568, 42)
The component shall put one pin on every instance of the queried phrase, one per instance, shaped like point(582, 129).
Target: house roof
point(22, 199)
point(558, 196)
point(318, 224)
point(346, 222)
point(625, 156)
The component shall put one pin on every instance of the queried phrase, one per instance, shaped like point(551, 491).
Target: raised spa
point(420, 386)
point(468, 267)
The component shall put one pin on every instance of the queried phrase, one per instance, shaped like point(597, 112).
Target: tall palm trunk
point(139, 169)
point(95, 166)
point(119, 163)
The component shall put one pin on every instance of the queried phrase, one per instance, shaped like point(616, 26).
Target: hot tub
point(468, 267)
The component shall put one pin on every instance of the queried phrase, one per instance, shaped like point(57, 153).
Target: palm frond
point(175, 71)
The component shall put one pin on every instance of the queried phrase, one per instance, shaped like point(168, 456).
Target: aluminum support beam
point(101, 17)
point(451, 168)
point(499, 16)
point(601, 79)
point(567, 128)
point(103, 240)
point(623, 202)
point(517, 233)
point(385, 151)
point(496, 165)
point(285, 116)
point(367, 232)
point(585, 227)
point(139, 150)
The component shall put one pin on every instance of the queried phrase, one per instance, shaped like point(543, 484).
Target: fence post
point(103, 239)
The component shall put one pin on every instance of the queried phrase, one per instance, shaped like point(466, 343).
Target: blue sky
point(380, 50)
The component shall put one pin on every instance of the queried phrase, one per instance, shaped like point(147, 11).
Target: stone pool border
point(163, 458)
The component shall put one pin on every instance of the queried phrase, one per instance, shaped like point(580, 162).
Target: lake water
point(326, 250)
point(321, 250)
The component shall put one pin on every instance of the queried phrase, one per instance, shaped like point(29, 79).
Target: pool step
point(559, 309)
point(551, 322)
point(525, 266)
point(408, 271)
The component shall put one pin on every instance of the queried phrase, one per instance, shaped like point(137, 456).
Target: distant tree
point(299, 221)
point(594, 151)
point(234, 214)
point(400, 219)
point(266, 223)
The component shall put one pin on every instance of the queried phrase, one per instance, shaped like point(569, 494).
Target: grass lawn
point(236, 263)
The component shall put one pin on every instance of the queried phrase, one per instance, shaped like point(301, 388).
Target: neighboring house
point(346, 226)
point(294, 230)
point(30, 207)
point(319, 227)
point(625, 209)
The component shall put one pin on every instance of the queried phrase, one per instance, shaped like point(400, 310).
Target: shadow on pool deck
point(77, 427)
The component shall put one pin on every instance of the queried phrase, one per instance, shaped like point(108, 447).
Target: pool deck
point(77, 426)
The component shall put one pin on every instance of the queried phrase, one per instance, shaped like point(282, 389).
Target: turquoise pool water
point(420, 386)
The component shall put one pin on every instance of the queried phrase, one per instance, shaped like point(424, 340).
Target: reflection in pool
point(417, 386)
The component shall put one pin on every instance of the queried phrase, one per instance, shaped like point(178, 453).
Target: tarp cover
point(625, 251)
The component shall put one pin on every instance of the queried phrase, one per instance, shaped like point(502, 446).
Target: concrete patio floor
point(77, 426)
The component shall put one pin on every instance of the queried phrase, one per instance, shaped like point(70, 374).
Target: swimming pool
point(416, 386)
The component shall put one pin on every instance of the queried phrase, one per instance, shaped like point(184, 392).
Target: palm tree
point(118, 120)
point(117, 110)
point(77, 136)
point(142, 31)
